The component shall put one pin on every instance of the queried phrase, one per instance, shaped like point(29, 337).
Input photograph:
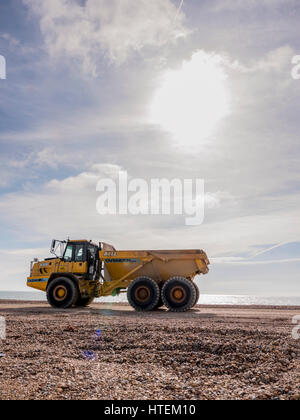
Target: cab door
point(92, 262)
point(80, 264)
point(65, 266)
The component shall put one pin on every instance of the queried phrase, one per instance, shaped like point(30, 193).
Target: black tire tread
point(197, 294)
point(189, 284)
point(153, 304)
point(72, 298)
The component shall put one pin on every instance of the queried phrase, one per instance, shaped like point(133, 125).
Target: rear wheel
point(62, 293)
point(179, 294)
point(143, 294)
point(160, 302)
point(197, 294)
point(82, 302)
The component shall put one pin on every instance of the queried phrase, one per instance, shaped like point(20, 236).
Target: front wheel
point(62, 293)
point(143, 294)
point(179, 294)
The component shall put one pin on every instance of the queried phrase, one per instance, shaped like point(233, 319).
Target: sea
point(243, 300)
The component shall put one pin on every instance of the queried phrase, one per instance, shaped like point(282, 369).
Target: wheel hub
point(178, 294)
point(142, 294)
point(59, 293)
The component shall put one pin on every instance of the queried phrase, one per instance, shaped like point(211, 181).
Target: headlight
point(36, 260)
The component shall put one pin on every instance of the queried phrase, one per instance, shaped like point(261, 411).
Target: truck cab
point(76, 265)
point(81, 258)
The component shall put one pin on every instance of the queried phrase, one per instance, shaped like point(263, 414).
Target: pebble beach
point(110, 352)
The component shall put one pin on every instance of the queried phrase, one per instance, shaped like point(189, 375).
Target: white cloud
point(221, 5)
point(16, 266)
point(217, 199)
point(68, 207)
point(61, 208)
point(13, 42)
point(115, 28)
point(85, 179)
point(77, 125)
point(15, 45)
point(275, 61)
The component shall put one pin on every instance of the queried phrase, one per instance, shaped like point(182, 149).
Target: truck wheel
point(197, 294)
point(83, 302)
point(143, 294)
point(160, 302)
point(62, 293)
point(179, 294)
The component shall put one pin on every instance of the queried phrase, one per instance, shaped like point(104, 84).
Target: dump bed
point(159, 265)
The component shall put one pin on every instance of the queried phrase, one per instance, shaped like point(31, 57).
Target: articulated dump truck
point(82, 271)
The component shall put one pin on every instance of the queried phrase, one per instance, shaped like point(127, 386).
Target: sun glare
point(191, 101)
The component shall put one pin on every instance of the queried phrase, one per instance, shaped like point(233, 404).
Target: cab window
point(79, 254)
point(92, 251)
point(68, 253)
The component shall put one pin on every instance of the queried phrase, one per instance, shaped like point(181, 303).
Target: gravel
point(111, 352)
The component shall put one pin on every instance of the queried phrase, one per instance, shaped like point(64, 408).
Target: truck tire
point(197, 294)
point(160, 302)
point(83, 302)
point(62, 293)
point(143, 294)
point(179, 294)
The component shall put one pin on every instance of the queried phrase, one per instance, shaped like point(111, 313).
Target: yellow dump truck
point(82, 270)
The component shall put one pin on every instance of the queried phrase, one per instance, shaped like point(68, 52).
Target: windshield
point(58, 248)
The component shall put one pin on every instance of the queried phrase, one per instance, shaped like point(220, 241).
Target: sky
point(199, 89)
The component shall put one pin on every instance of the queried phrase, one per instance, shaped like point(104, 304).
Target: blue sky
point(82, 79)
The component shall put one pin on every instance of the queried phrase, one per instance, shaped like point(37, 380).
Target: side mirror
point(53, 245)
